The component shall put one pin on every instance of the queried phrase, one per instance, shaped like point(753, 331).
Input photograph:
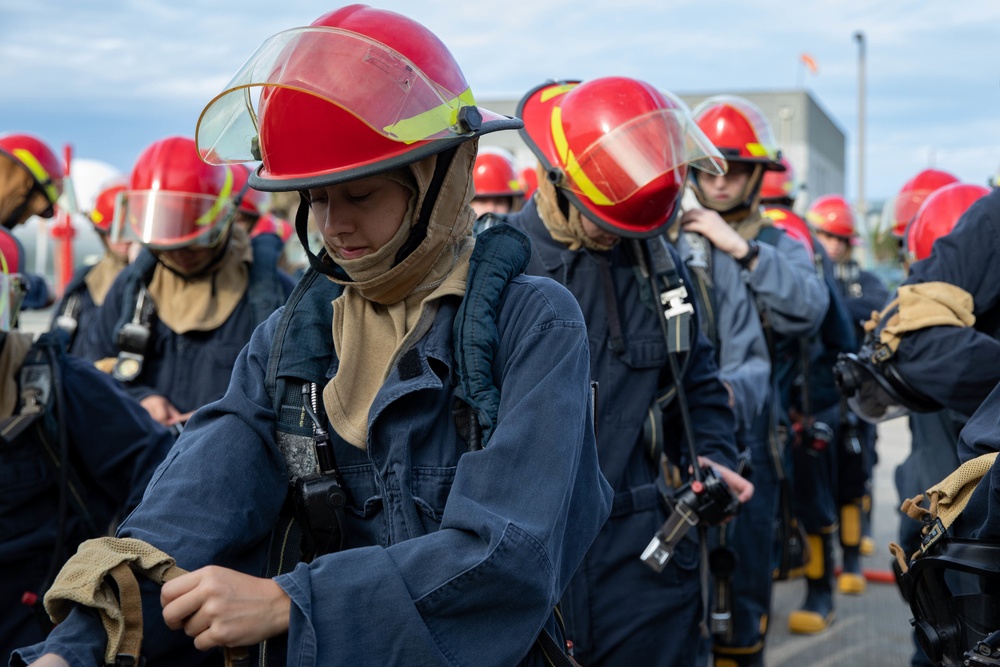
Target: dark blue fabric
point(959, 367)
point(617, 610)
point(86, 309)
point(191, 369)
point(453, 557)
point(38, 295)
point(836, 335)
point(114, 446)
point(862, 296)
point(815, 476)
point(862, 293)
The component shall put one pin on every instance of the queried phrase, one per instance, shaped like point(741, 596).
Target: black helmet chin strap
point(321, 264)
point(17, 215)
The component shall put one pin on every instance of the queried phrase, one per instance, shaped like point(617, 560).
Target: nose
point(333, 221)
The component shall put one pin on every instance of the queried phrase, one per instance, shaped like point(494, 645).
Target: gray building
point(810, 139)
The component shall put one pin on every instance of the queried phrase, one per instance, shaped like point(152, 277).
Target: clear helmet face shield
point(954, 594)
point(371, 81)
point(623, 161)
point(164, 220)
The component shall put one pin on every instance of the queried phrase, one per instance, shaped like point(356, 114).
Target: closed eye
point(358, 198)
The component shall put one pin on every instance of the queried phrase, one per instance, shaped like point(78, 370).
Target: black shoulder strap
point(501, 253)
point(136, 275)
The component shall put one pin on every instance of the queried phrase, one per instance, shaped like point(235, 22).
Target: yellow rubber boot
point(867, 546)
point(816, 613)
point(851, 580)
point(738, 656)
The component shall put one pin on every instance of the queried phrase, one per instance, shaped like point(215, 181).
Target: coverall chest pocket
point(645, 352)
point(431, 486)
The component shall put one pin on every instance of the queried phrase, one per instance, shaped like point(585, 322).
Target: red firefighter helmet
point(269, 223)
point(618, 148)
point(742, 133)
point(832, 214)
point(12, 285)
point(494, 174)
point(938, 215)
point(359, 92)
point(253, 202)
point(35, 156)
point(779, 186)
point(529, 181)
point(901, 209)
point(103, 213)
point(792, 224)
point(174, 199)
point(739, 130)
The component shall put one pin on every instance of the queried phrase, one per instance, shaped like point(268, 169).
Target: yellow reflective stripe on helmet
point(757, 150)
point(816, 219)
point(38, 171)
point(513, 184)
point(430, 122)
point(96, 217)
point(569, 163)
point(775, 214)
point(225, 195)
point(555, 91)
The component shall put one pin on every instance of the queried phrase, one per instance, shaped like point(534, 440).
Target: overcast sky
point(112, 76)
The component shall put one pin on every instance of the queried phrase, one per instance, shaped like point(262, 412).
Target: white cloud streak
point(932, 68)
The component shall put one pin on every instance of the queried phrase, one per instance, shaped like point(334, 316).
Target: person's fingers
point(180, 599)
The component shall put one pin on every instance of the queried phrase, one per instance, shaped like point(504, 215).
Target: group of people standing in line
point(593, 424)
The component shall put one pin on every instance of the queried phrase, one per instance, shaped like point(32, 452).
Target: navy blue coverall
point(114, 446)
point(190, 369)
point(618, 610)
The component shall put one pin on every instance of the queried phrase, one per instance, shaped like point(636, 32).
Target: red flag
point(809, 62)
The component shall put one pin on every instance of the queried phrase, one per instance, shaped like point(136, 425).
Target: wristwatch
point(752, 249)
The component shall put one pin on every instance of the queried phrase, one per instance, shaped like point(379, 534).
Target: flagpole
point(862, 205)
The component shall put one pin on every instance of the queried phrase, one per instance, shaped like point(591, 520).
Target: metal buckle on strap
point(881, 353)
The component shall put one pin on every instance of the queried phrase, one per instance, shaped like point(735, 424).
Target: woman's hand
point(222, 607)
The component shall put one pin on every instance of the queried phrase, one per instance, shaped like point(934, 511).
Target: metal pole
point(862, 205)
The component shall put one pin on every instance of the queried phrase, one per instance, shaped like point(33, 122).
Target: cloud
point(930, 67)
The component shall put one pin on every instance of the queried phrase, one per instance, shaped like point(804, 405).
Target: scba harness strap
point(501, 253)
point(133, 331)
point(945, 502)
